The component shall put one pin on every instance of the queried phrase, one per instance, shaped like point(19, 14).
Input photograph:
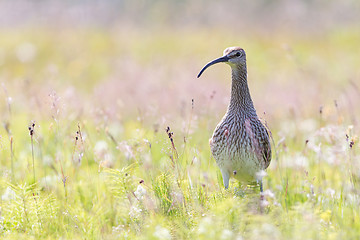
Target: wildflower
point(125, 148)
point(260, 175)
point(121, 231)
point(118, 229)
point(135, 212)
point(269, 193)
point(140, 192)
point(264, 203)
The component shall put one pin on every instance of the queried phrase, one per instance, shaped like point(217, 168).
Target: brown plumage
point(240, 143)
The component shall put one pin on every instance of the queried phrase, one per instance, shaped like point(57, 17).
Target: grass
point(119, 145)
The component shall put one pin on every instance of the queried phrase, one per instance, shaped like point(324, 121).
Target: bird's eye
point(237, 54)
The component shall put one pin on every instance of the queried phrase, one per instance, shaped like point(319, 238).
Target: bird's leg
point(226, 178)
point(262, 197)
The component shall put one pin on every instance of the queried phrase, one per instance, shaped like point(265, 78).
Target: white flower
point(315, 147)
point(118, 229)
point(126, 149)
point(140, 192)
point(269, 193)
point(135, 212)
point(260, 175)
point(264, 203)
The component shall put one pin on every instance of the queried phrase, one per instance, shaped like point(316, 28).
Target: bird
point(240, 143)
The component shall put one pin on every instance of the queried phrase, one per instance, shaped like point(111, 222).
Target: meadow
point(85, 150)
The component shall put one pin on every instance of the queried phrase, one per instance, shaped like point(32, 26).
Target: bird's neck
point(240, 95)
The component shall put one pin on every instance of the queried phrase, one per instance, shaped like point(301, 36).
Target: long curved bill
point(218, 60)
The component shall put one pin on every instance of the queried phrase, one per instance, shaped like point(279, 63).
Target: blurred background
point(117, 61)
point(86, 86)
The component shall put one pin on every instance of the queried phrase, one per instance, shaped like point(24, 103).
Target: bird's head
point(234, 56)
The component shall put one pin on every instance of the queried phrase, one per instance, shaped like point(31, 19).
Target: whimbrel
point(240, 143)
